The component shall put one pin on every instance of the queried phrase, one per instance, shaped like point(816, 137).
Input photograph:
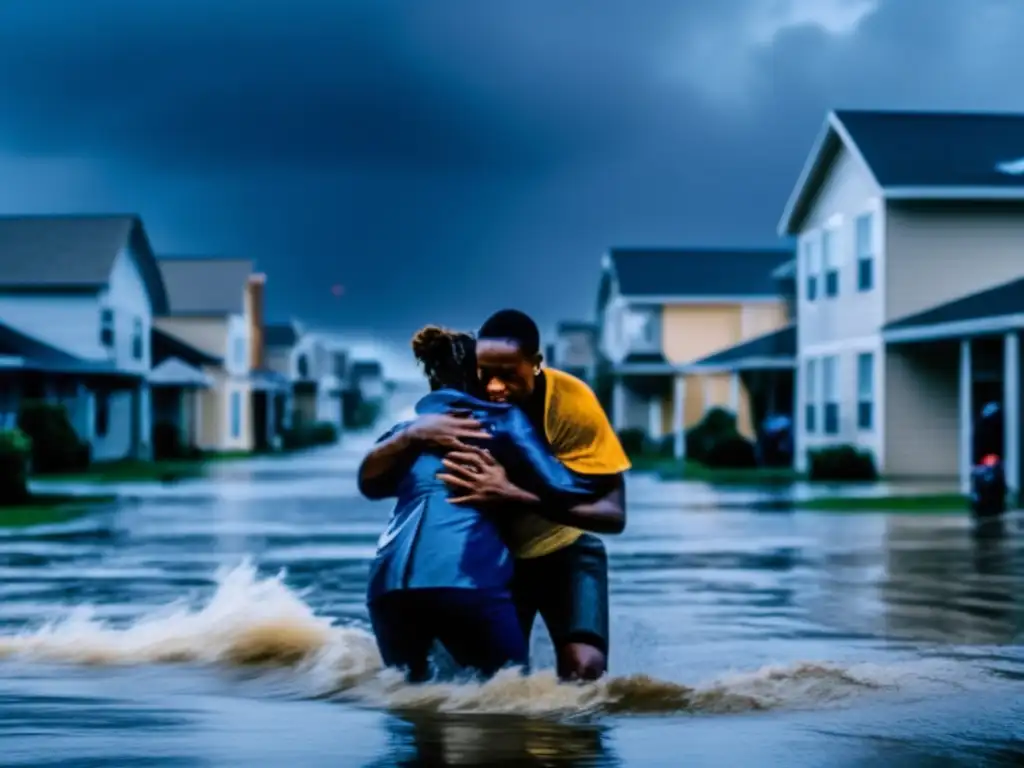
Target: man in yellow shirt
point(561, 569)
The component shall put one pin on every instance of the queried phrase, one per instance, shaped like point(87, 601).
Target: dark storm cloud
point(444, 157)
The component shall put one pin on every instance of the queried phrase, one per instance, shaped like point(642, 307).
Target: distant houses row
point(894, 319)
point(155, 354)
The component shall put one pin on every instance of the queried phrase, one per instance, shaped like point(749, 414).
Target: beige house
point(216, 307)
point(574, 349)
point(910, 230)
point(663, 312)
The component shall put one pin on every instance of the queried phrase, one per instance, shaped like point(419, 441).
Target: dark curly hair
point(448, 358)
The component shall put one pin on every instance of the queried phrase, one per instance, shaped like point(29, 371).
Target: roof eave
point(833, 133)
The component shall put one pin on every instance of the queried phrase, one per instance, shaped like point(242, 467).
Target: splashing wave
point(250, 620)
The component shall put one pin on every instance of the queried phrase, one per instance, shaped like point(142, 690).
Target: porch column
point(966, 416)
point(183, 430)
point(618, 404)
point(145, 416)
point(734, 393)
point(271, 416)
point(197, 416)
point(654, 430)
point(1011, 410)
point(678, 417)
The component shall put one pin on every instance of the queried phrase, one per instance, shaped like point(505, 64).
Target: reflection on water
point(221, 622)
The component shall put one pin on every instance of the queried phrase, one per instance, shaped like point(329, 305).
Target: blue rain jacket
point(431, 543)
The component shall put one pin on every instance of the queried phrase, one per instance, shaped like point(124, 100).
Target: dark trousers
point(479, 628)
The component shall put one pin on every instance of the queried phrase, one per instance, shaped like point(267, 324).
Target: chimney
point(254, 290)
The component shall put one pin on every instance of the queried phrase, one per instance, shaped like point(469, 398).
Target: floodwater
point(221, 623)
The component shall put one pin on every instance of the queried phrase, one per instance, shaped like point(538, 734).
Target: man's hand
point(473, 473)
point(447, 430)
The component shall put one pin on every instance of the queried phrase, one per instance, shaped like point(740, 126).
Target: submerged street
point(221, 623)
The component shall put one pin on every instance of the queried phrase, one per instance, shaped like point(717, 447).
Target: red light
point(990, 460)
point(338, 290)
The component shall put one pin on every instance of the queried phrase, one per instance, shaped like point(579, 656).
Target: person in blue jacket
point(442, 571)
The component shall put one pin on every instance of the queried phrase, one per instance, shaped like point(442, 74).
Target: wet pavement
point(221, 623)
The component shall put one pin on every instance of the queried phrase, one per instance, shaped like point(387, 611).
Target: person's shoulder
point(394, 431)
point(566, 383)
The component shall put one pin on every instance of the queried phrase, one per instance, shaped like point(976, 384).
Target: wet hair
point(448, 358)
point(515, 326)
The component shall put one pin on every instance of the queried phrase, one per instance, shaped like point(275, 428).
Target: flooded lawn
point(221, 623)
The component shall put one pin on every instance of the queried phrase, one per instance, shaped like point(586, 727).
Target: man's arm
point(481, 481)
point(387, 462)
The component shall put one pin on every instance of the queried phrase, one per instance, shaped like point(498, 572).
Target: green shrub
point(56, 447)
point(718, 424)
point(364, 414)
point(309, 435)
point(841, 462)
point(15, 450)
point(632, 441)
point(731, 452)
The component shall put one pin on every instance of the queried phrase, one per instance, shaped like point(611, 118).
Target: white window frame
point(868, 397)
point(830, 392)
point(811, 389)
point(831, 260)
point(810, 255)
point(235, 427)
point(864, 248)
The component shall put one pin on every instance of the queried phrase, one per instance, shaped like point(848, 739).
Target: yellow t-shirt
point(582, 438)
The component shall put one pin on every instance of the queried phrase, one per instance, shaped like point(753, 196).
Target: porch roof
point(646, 363)
point(23, 352)
point(993, 310)
point(776, 349)
point(174, 372)
point(165, 347)
point(266, 380)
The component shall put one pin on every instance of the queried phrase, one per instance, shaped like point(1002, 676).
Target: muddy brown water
point(221, 623)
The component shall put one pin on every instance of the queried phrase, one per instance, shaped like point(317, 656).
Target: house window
point(137, 343)
point(302, 364)
point(238, 352)
point(811, 397)
point(865, 390)
point(830, 258)
point(830, 382)
point(107, 327)
point(811, 267)
point(865, 253)
point(101, 416)
point(236, 415)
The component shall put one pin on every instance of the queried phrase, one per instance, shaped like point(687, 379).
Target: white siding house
point(85, 288)
point(910, 228)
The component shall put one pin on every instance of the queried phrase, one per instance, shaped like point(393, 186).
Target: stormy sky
point(444, 158)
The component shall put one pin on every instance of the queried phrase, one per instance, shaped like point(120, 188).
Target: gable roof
point(918, 156)
point(575, 326)
point(37, 355)
point(1001, 301)
point(280, 335)
point(74, 253)
point(165, 346)
point(696, 272)
point(205, 286)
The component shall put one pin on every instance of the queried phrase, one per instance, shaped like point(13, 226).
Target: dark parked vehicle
point(776, 444)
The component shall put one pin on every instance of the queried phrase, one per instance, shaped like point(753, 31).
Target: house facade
point(77, 300)
point(574, 349)
point(910, 230)
point(318, 369)
point(211, 310)
point(661, 312)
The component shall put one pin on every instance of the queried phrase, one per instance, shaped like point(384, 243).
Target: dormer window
point(107, 337)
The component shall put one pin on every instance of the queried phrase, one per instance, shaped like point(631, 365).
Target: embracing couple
point(501, 481)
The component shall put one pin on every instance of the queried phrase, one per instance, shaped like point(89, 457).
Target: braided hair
point(448, 358)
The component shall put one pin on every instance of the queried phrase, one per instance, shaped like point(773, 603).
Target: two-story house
point(77, 298)
point(210, 310)
point(911, 233)
point(663, 311)
point(574, 349)
point(318, 371)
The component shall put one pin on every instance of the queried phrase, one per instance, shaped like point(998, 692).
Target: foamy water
point(252, 620)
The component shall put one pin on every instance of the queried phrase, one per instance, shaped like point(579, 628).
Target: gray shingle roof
point(947, 149)
point(73, 253)
point(166, 346)
point(1005, 299)
point(205, 285)
point(697, 271)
